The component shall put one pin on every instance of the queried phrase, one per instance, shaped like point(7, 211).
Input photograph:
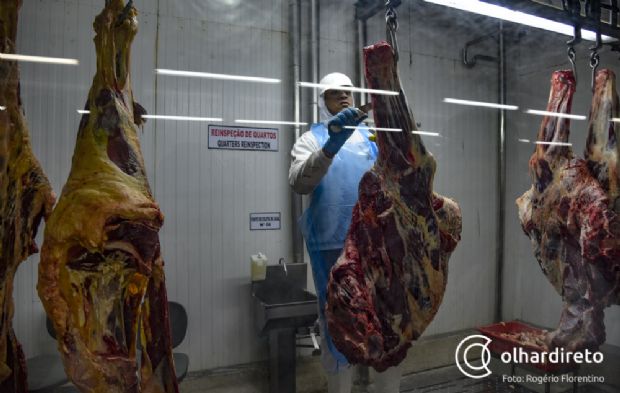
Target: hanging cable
point(391, 23)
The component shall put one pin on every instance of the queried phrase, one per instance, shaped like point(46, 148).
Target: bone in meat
point(388, 284)
point(101, 271)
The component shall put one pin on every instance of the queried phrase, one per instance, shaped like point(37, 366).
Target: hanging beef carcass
point(388, 284)
point(101, 275)
point(574, 233)
point(602, 155)
point(25, 198)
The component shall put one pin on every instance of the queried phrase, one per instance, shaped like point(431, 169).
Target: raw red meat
point(566, 214)
point(389, 282)
point(101, 275)
point(25, 198)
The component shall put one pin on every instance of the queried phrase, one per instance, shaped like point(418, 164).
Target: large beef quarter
point(387, 285)
point(574, 232)
point(101, 274)
point(25, 198)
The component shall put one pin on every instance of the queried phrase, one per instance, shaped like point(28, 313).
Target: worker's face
point(337, 100)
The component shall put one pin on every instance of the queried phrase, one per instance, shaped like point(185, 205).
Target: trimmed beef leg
point(567, 217)
point(603, 157)
point(388, 284)
point(25, 198)
point(101, 272)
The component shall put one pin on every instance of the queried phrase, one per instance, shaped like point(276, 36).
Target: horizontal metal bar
point(556, 14)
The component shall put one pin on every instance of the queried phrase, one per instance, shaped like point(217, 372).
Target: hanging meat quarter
point(388, 284)
point(25, 198)
point(101, 274)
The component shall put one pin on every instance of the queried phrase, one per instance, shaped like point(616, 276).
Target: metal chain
point(593, 11)
point(391, 23)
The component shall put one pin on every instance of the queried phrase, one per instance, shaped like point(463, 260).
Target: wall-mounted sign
point(264, 221)
point(243, 138)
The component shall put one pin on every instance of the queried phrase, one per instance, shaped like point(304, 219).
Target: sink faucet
point(281, 262)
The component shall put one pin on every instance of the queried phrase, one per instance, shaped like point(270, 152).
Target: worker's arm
point(309, 164)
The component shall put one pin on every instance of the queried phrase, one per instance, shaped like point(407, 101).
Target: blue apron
point(326, 221)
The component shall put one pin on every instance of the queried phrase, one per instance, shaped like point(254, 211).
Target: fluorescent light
point(554, 143)
point(398, 130)
point(495, 11)
point(216, 76)
point(479, 103)
point(2, 108)
point(616, 120)
point(163, 117)
point(285, 123)
point(38, 59)
point(426, 133)
point(378, 129)
point(555, 114)
point(188, 118)
point(349, 88)
point(524, 140)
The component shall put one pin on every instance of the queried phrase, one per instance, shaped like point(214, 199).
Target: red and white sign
point(243, 138)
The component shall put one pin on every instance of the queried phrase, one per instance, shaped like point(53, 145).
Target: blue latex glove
point(338, 134)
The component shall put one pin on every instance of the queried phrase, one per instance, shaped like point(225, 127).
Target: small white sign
point(264, 221)
point(243, 138)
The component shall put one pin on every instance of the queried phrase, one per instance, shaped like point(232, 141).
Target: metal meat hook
point(573, 8)
point(391, 22)
point(593, 10)
point(595, 58)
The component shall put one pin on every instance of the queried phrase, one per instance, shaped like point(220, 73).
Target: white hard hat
point(334, 79)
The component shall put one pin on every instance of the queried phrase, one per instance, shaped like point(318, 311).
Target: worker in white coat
point(329, 161)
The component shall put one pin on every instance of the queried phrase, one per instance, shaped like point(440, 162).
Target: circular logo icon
point(463, 351)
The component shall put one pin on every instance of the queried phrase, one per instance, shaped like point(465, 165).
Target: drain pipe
point(314, 37)
point(501, 175)
point(295, 46)
point(362, 41)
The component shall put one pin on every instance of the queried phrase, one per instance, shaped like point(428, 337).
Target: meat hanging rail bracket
point(101, 276)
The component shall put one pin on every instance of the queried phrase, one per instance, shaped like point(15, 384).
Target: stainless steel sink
point(282, 305)
point(281, 300)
